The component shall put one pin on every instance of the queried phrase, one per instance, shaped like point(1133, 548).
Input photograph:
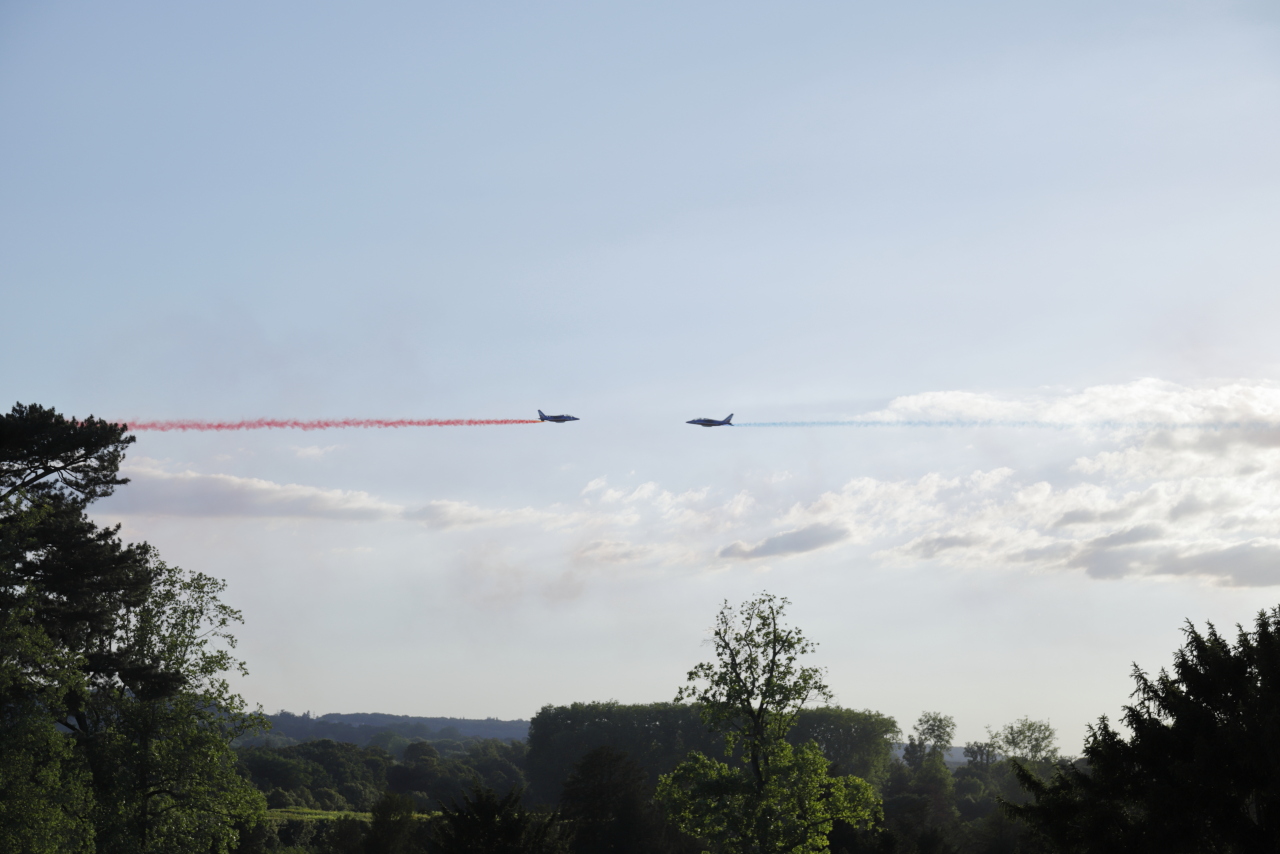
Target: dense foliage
point(331, 775)
point(1200, 770)
point(390, 732)
point(658, 736)
point(770, 796)
point(118, 718)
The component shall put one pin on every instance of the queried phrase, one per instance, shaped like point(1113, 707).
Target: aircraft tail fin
point(729, 420)
point(541, 417)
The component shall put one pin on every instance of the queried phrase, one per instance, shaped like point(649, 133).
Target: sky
point(1033, 243)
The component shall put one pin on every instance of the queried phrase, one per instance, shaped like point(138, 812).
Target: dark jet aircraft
point(559, 419)
point(711, 422)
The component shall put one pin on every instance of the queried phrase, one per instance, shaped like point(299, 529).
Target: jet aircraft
point(711, 422)
point(559, 419)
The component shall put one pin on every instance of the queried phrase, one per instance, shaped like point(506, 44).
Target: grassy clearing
point(296, 813)
point(314, 815)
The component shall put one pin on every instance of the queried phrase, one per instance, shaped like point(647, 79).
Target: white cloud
point(1134, 405)
point(314, 451)
point(157, 492)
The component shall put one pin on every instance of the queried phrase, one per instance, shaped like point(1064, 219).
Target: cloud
point(932, 545)
point(1251, 564)
point(1190, 487)
point(156, 492)
point(314, 451)
point(806, 539)
point(612, 551)
point(1137, 405)
point(444, 515)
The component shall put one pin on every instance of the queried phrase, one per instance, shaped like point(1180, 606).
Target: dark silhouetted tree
point(1200, 770)
point(606, 799)
point(391, 826)
point(486, 823)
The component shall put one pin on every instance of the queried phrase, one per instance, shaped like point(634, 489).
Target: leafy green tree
point(1200, 770)
point(45, 798)
point(855, 742)
point(496, 763)
point(164, 774)
point(981, 754)
point(658, 736)
point(933, 734)
point(62, 580)
point(68, 576)
point(120, 713)
point(655, 735)
point(775, 797)
point(418, 770)
point(1028, 740)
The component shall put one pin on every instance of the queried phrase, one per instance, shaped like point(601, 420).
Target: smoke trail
point(321, 424)
point(1043, 425)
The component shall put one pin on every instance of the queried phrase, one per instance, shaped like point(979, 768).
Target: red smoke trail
point(323, 424)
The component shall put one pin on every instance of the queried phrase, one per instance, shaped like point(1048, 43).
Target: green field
point(329, 815)
point(310, 814)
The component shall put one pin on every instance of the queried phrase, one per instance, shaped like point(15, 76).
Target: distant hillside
point(371, 727)
point(466, 727)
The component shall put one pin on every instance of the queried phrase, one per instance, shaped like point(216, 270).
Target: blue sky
point(641, 214)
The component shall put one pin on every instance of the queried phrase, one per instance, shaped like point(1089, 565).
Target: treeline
point(331, 775)
point(604, 777)
point(390, 732)
point(337, 776)
point(595, 767)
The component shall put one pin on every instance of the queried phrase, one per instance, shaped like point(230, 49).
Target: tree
point(1200, 770)
point(982, 754)
point(606, 801)
point(920, 798)
point(165, 776)
point(486, 823)
point(61, 581)
point(932, 736)
point(68, 575)
point(1029, 740)
point(392, 825)
point(44, 452)
point(855, 742)
point(105, 641)
point(655, 735)
point(44, 789)
point(775, 797)
point(658, 737)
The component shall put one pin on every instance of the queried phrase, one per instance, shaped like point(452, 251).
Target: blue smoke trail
point(1041, 425)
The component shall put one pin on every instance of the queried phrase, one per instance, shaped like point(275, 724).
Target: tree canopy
point(111, 664)
point(774, 797)
point(1200, 768)
point(43, 451)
